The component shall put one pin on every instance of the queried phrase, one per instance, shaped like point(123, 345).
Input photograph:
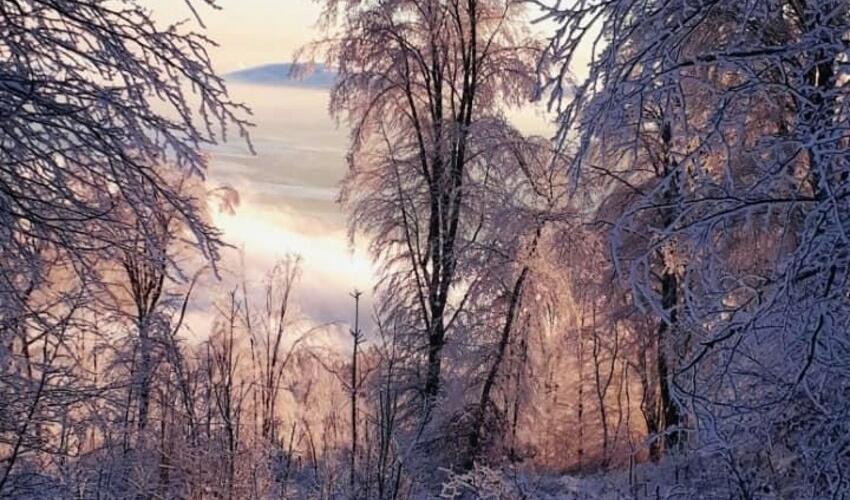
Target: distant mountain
point(282, 74)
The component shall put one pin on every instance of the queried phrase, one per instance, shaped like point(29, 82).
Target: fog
point(288, 204)
point(288, 191)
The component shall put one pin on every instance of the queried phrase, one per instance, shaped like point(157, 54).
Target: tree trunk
point(489, 382)
point(668, 326)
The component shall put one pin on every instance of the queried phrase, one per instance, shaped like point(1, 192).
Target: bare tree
point(422, 83)
point(355, 385)
point(95, 97)
point(271, 351)
point(227, 390)
point(82, 88)
point(720, 131)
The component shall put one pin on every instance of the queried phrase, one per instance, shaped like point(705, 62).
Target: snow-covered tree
point(714, 136)
point(422, 84)
point(95, 98)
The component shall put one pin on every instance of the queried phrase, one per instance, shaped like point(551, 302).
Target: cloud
point(287, 195)
point(331, 268)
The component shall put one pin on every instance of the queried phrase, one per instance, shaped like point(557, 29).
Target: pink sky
point(249, 32)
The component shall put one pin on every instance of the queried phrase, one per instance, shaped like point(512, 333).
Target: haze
point(248, 32)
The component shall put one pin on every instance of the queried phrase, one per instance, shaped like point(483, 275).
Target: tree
point(527, 204)
point(422, 83)
point(81, 88)
point(95, 98)
point(271, 351)
point(717, 131)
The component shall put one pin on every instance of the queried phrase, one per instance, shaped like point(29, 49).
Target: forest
point(652, 303)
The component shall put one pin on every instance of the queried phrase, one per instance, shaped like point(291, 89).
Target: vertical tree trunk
point(580, 407)
point(668, 326)
point(669, 408)
point(649, 400)
point(146, 275)
point(603, 384)
point(145, 368)
point(356, 339)
point(436, 342)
